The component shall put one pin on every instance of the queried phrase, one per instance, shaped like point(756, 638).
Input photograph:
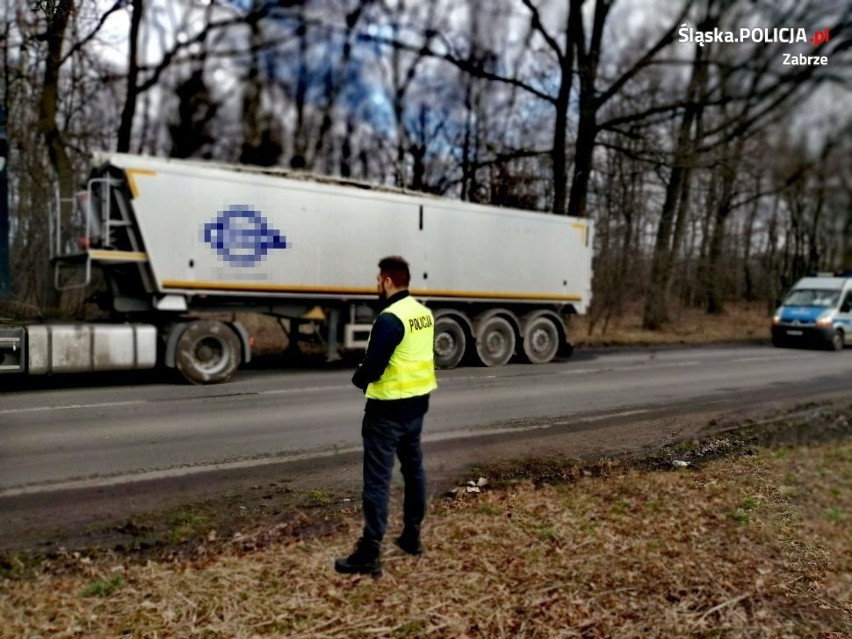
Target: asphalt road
point(76, 437)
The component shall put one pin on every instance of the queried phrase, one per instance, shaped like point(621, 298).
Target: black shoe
point(364, 561)
point(409, 541)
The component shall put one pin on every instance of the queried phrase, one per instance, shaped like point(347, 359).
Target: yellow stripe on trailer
point(131, 179)
point(343, 290)
point(118, 256)
point(250, 286)
point(495, 295)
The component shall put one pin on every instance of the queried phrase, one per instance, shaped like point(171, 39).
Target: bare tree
point(261, 134)
point(58, 17)
point(128, 111)
point(673, 213)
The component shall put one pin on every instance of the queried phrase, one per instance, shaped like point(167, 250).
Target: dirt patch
point(805, 425)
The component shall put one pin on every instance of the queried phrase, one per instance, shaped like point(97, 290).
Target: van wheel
point(208, 353)
point(837, 341)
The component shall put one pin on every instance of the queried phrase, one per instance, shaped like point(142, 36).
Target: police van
point(816, 311)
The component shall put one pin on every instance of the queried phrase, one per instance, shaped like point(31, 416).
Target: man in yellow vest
point(397, 375)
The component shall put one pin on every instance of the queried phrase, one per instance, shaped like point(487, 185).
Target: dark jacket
point(385, 336)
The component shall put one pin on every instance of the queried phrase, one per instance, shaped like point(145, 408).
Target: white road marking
point(306, 389)
point(764, 358)
point(136, 402)
point(41, 409)
point(624, 413)
point(632, 368)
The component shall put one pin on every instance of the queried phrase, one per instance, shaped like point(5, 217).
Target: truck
point(817, 311)
point(182, 246)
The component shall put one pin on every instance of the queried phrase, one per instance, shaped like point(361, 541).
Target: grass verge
point(744, 541)
point(741, 322)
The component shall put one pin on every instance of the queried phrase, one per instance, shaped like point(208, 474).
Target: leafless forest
point(715, 171)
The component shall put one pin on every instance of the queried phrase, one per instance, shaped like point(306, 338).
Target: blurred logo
point(821, 37)
point(242, 236)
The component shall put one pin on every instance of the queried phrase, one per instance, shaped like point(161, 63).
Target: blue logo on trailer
point(242, 236)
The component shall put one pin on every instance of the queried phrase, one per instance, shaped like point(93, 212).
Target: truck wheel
point(208, 352)
point(495, 341)
point(541, 340)
point(836, 343)
point(450, 342)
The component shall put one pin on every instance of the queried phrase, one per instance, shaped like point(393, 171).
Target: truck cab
point(817, 311)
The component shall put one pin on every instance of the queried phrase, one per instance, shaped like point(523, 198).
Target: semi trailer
point(181, 246)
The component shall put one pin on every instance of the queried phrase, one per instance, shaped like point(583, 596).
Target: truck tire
point(836, 343)
point(208, 353)
point(540, 340)
point(495, 341)
point(450, 342)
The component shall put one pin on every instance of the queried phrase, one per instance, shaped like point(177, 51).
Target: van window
point(821, 298)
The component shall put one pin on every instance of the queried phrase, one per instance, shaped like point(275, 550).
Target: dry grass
point(740, 322)
point(749, 546)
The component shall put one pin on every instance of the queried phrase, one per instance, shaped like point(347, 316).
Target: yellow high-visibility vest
point(411, 369)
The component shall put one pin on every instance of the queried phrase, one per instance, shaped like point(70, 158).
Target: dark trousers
point(384, 438)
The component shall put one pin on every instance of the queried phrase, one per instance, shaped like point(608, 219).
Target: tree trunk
point(561, 103)
point(300, 137)
point(125, 128)
point(846, 266)
point(587, 127)
point(716, 276)
point(559, 152)
point(250, 152)
point(662, 263)
point(748, 238)
point(48, 128)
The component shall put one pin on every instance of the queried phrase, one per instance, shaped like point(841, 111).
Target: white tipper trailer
point(179, 240)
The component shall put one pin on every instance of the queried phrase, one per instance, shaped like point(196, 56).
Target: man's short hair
point(396, 268)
